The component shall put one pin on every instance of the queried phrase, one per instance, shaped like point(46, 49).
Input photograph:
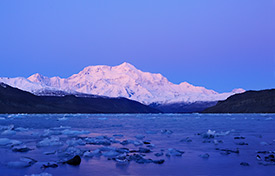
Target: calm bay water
point(193, 134)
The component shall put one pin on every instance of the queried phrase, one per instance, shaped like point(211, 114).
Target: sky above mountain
point(217, 44)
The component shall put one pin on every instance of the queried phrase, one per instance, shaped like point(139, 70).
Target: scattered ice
point(88, 154)
point(139, 136)
point(111, 154)
point(136, 143)
point(102, 118)
point(144, 150)
point(73, 151)
point(264, 143)
point(6, 141)
point(41, 174)
point(187, 139)
point(174, 152)
point(62, 118)
point(21, 129)
point(74, 132)
point(228, 151)
point(168, 132)
point(212, 134)
point(49, 165)
point(49, 153)
point(8, 127)
point(100, 140)
point(61, 128)
point(8, 132)
point(258, 157)
point(159, 154)
point(22, 148)
point(74, 142)
point(24, 162)
point(205, 156)
point(49, 132)
point(52, 141)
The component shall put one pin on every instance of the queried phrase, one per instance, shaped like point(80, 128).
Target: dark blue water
point(195, 134)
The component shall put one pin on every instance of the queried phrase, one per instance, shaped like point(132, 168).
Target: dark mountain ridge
point(183, 107)
point(13, 100)
point(262, 101)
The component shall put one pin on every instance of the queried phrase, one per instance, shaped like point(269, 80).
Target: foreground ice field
point(138, 144)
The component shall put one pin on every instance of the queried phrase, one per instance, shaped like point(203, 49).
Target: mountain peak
point(238, 90)
point(123, 80)
point(126, 65)
point(36, 76)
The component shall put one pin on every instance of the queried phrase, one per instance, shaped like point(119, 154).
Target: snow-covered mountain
point(120, 81)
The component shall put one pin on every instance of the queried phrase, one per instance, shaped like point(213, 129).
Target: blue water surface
point(197, 135)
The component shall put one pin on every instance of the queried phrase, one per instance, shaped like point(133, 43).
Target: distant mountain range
point(119, 81)
point(13, 100)
point(248, 102)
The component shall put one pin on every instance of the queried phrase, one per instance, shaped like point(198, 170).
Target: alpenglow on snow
point(119, 81)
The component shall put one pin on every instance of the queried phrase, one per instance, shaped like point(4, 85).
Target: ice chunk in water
point(24, 162)
point(21, 129)
point(205, 156)
point(18, 164)
point(8, 132)
point(88, 154)
point(139, 136)
point(49, 132)
point(212, 134)
point(74, 132)
point(63, 118)
point(23, 148)
point(53, 141)
point(41, 174)
point(111, 154)
point(6, 141)
point(74, 142)
point(174, 152)
point(96, 152)
point(8, 127)
point(49, 153)
point(73, 151)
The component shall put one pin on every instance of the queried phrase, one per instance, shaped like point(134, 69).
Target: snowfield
point(119, 81)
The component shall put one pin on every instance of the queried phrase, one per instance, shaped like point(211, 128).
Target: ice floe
point(74, 132)
point(41, 174)
point(22, 163)
point(6, 141)
point(52, 141)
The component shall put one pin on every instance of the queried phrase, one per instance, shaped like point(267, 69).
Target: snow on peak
point(22, 83)
point(38, 78)
point(126, 66)
point(238, 90)
point(124, 80)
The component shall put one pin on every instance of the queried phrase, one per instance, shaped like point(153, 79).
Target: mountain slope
point(248, 102)
point(183, 107)
point(127, 81)
point(13, 100)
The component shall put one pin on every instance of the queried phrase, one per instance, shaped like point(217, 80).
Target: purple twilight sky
point(217, 44)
